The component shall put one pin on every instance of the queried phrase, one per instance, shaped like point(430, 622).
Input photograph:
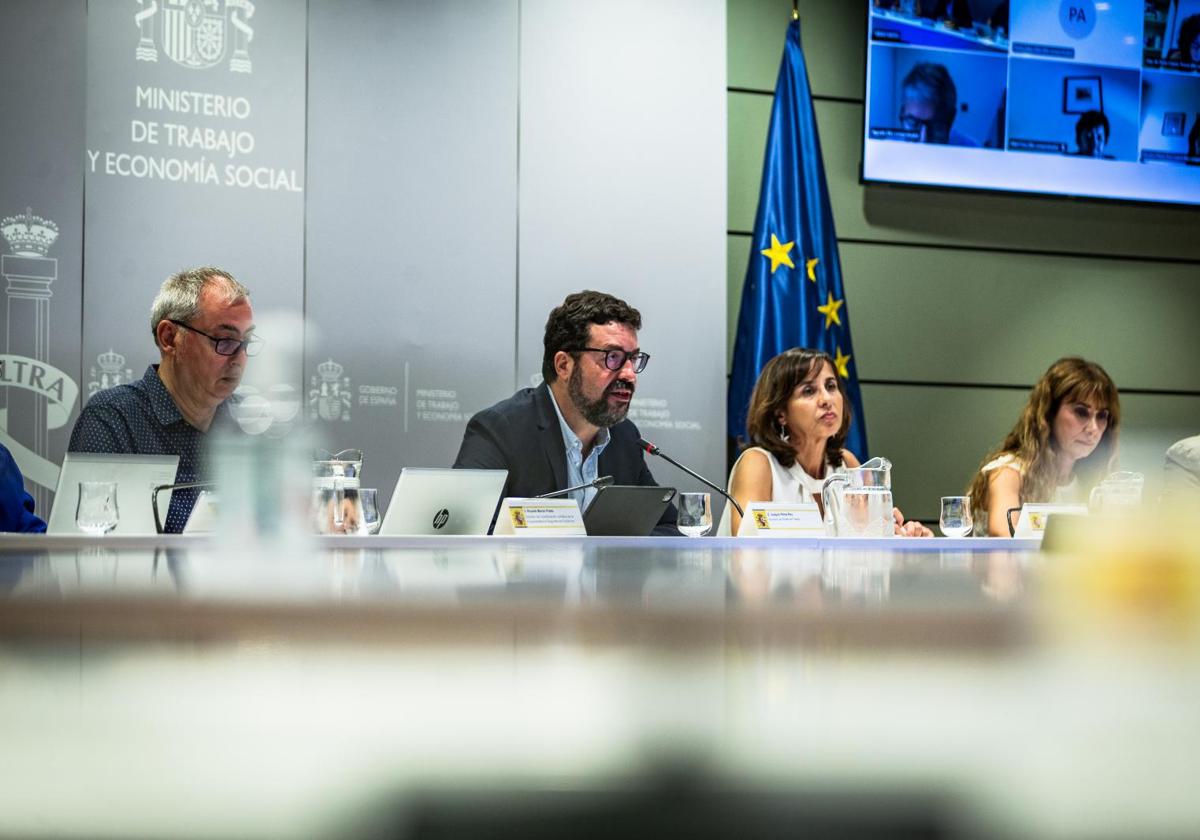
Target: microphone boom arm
point(602, 481)
point(654, 450)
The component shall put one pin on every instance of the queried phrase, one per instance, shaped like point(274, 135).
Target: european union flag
point(793, 296)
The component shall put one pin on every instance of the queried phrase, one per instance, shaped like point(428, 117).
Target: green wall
point(960, 301)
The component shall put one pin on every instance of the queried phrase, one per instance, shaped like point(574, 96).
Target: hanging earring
point(783, 433)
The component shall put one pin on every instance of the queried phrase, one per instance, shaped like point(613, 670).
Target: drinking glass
point(955, 517)
point(368, 497)
point(96, 513)
point(695, 514)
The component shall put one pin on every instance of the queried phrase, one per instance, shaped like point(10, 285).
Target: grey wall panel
point(833, 37)
point(937, 437)
point(1000, 318)
point(623, 189)
point(754, 44)
point(411, 224)
point(195, 156)
point(42, 48)
point(999, 221)
point(896, 214)
point(749, 116)
point(737, 256)
point(938, 315)
point(966, 316)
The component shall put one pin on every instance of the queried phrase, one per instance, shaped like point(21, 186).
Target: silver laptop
point(441, 501)
point(135, 475)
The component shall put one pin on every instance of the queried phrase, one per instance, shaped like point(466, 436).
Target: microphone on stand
point(654, 450)
point(602, 481)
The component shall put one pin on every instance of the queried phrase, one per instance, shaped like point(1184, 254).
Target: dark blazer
point(521, 434)
point(16, 506)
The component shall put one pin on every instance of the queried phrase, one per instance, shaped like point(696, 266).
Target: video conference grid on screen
point(1073, 97)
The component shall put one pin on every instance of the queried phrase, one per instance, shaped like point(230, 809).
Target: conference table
point(371, 686)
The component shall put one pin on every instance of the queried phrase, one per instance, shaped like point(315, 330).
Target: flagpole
point(795, 9)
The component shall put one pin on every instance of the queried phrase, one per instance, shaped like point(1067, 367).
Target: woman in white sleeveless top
point(796, 425)
point(1064, 442)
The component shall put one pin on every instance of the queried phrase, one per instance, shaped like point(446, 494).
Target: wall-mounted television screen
point(1088, 98)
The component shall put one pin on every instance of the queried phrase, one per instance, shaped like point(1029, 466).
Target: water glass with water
point(866, 512)
point(955, 517)
point(695, 514)
point(96, 511)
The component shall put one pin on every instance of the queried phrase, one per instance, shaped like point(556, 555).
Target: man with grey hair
point(929, 105)
point(203, 326)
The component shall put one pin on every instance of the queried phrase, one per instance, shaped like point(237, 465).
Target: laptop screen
point(433, 502)
point(135, 476)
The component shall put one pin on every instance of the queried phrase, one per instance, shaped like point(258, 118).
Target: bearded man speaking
point(571, 429)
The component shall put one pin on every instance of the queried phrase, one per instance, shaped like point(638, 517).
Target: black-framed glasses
point(226, 346)
point(930, 128)
point(616, 359)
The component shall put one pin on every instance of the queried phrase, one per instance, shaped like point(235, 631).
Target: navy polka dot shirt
point(140, 418)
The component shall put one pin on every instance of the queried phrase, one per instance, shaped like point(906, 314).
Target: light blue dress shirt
point(580, 470)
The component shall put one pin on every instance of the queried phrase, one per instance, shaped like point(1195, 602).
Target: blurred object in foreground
point(1181, 473)
point(1126, 580)
point(263, 472)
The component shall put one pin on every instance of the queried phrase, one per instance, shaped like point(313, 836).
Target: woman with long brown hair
point(1064, 442)
point(796, 426)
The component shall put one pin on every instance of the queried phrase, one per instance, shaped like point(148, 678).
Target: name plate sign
point(203, 519)
point(782, 519)
point(539, 518)
point(1032, 522)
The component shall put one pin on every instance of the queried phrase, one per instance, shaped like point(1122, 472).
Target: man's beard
point(598, 412)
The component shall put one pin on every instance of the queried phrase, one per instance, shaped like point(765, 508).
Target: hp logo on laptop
point(441, 518)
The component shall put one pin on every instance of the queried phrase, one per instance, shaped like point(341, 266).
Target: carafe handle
point(832, 500)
